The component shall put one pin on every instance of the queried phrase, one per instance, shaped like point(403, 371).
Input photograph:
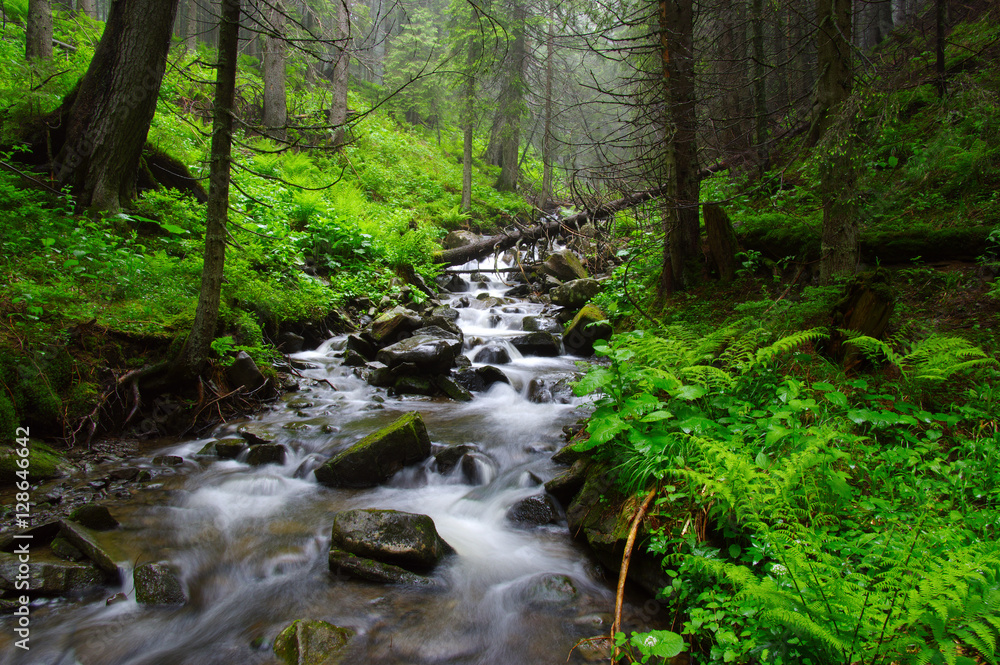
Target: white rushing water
point(251, 542)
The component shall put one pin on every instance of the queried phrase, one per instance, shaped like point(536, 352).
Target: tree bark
point(722, 244)
point(833, 46)
point(759, 88)
point(941, 20)
point(275, 101)
point(468, 125)
point(194, 353)
point(838, 172)
point(547, 157)
point(511, 106)
point(191, 26)
point(107, 123)
point(678, 167)
point(338, 109)
point(88, 7)
point(38, 31)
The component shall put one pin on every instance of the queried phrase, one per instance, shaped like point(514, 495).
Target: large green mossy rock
point(394, 325)
point(47, 578)
point(407, 540)
point(588, 326)
point(379, 455)
point(575, 293)
point(564, 265)
point(43, 463)
point(307, 642)
point(84, 540)
point(602, 516)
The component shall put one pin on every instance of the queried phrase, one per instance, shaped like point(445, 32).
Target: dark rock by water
point(158, 584)
point(345, 563)
point(268, 453)
point(244, 372)
point(564, 265)
point(537, 344)
point(493, 354)
point(48, 577)
point(307, 642)
point(379, 455)
point(85, 541)
point(431, 349)
point(575, 294)
point(580, 335)
point(94, 516)
point(536, 510)
point(401, 539)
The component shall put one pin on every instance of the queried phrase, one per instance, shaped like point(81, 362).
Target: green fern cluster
point(931, 360)
point(902, 594)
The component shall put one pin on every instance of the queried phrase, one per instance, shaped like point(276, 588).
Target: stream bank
point(250, 545)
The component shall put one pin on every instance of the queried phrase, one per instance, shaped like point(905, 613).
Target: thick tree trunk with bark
point(833, 46)
point(722, 244)
point(468, 125)
point(275, 101)
point(338, 109)
point(88, 7)
point(547, 157)
point(678, 163)
point(107, 123)
point(193, 355)
point(511, 103)
point(191, 26)
point(38, 32)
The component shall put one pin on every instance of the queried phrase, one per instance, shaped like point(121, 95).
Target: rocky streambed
point(392, 509)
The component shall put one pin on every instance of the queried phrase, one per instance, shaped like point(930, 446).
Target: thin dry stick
point(620, 596)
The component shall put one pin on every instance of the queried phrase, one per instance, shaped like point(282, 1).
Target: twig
point(623, 573)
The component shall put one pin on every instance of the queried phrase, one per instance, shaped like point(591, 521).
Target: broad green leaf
point(657, 416)
point(593, 381)
point(775, 434)
point(892, 162)
point(838, 398)
point(172, 228)
point(603, 429)
point(689, 392)
point(659, 643)
point(821, 385)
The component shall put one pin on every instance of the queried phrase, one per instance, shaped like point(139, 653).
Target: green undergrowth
point(312, 231)
point(808, 515)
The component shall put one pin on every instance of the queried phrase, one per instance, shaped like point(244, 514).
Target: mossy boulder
point(401, 539)
point(601, 515)
point(43, 463)
point(49, 577)
point(158, 584)
point(393, 325)
point(575, 294)
point(588, 326)
point(94, 516)
point(564, 265)
point(431, 349)
point(379, 455)
point(308, 642)
point(269, 453)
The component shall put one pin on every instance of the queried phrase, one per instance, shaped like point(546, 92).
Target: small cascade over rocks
point(391, 511)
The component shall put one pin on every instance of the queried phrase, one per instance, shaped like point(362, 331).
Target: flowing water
point(251, 543)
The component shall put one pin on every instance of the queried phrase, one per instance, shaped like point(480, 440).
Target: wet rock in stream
point(386, 546)
point(94, 516)
point(379, 455)
point(158, 584)
point(537, 510)
point(307, 642)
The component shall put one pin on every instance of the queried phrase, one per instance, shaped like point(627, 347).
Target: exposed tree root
point(626, 559)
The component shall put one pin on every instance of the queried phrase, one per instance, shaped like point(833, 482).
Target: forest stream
point(251, 543)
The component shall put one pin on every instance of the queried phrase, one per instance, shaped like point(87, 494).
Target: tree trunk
point(191, 26)
point(107, 124)
point(468, 124)
point(679, 162)
point(195, 351)
point(511, 107)
point(941, 20)
point(338, 109)
point(759, 88)
point(547, 158)
point(838, 172)
point(833, 46)
point(38, 32)
point(88, 7)
point(275, 102)
point(722, 245)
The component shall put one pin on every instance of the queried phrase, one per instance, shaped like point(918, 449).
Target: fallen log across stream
point(503, 241)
